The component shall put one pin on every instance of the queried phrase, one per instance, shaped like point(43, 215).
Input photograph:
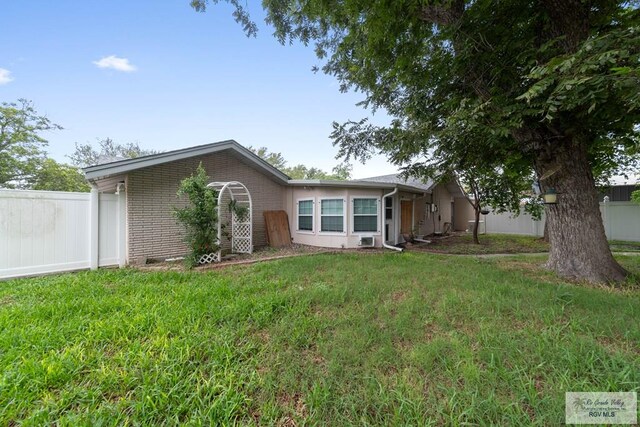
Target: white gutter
point(384, 229)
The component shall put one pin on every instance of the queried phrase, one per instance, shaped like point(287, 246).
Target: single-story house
point(335, 214)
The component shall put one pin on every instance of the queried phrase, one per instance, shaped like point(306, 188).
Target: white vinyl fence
point(621, 222)
point(51, 231)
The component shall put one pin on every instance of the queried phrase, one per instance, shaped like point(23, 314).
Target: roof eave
point(354, 184)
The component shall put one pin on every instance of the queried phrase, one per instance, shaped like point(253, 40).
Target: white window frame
point(378, 216)
point(313, 215)
point(344, 217)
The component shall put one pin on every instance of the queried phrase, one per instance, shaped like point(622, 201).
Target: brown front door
point(406, 216)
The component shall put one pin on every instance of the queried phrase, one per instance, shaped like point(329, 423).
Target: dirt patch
point(461, 243)
point(312, 355)
point(615, 345)
point(431, 330)
point(295, 403)
point(402, 345)
point(7, 300)
point(398, 296)
point(259, 255)
point(263, 336)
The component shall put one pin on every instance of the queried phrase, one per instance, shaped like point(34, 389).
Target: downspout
point(382, 219)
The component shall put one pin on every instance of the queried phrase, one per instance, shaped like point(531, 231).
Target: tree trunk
point(545, 235)
point(579, 247)
point(475, 228)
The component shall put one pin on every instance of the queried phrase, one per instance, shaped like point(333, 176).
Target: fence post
point(94, 243)
point(122, 225)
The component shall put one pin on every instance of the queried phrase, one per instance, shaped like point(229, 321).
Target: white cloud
point(115, 63)
point(5, 76)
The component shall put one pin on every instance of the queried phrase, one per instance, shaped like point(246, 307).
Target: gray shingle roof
point(397, 179)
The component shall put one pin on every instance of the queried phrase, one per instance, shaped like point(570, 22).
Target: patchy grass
point(532, 266)
point(462, 244)
point(384, 339)
point(624, 246)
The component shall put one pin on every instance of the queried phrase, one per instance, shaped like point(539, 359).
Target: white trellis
point(235, 209)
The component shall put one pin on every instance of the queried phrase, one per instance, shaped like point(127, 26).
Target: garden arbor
point(235, 219)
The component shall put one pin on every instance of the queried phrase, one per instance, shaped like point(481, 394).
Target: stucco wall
point(348, 239)
point(463, 213)
point(151, 195)
point(426, 221)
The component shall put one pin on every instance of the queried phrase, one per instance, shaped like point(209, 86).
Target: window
point(332, 215)
point(305, 215)
point(365, 215)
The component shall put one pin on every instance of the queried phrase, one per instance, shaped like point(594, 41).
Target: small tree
point(199, 217)
point(503, 192)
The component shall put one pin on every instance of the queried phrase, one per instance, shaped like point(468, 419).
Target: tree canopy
point(54, 176)
point(21, 142)
point(341, 171)
point(106, 151)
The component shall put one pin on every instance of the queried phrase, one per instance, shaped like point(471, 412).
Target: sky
point(160, 74)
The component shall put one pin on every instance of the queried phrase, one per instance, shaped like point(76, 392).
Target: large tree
point(21, 142)
point(551, 85)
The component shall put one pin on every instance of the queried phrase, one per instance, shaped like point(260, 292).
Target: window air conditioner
point(367, 241)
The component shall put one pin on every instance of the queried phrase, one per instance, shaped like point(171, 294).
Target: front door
point(406, 216)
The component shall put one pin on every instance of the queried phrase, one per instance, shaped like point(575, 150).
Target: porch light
point(550, 196)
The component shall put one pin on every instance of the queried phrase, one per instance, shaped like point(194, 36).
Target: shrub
point(199, 217)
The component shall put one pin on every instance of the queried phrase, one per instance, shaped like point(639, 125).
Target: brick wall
point(153, 231)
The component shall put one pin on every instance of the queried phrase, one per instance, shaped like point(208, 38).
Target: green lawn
point(382, 339)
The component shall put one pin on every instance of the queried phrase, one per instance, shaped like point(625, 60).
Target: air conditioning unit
point(367, 241)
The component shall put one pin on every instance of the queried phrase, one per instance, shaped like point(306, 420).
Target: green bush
point(199, 217)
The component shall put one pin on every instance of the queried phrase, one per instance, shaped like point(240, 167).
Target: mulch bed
point(258, 255)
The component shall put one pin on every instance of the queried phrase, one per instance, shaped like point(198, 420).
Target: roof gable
point(129, 165)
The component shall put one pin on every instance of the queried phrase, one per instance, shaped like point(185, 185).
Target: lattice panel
point(242, 245)
point(241, 230)
point(241, 218)
point(209, 258)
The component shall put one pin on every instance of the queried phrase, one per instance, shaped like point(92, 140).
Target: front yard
point(337, 339)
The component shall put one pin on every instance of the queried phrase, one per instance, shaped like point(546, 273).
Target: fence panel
point(506, 223)
point(621, 222)
point(49, 231)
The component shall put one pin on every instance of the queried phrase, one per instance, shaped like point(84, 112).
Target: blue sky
point(177, 78)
